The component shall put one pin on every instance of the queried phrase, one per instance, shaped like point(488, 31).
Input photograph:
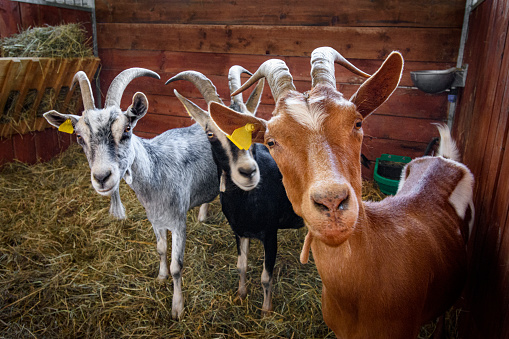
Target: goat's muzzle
point(331, 212)
point(104, 180)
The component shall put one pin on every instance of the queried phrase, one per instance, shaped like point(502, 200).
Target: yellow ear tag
point(241, 137)
point(66, 127)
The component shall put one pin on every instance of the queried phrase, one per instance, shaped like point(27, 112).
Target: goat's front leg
point(178, 242)
point(162, 249)
point(242, 252)
point(270, 247)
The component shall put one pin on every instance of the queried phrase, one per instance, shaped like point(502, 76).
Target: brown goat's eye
point(271, 142)
point(358, 124)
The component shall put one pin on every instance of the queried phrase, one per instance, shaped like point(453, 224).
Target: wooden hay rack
point(31, 86)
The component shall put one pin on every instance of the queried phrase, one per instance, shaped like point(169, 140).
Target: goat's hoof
point(266, 313)
point(176, 313)
point(161, 279)
point(242, 293)
point(239, 300)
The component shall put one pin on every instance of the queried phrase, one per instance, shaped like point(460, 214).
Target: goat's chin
point(333, 238)
point(334, 229)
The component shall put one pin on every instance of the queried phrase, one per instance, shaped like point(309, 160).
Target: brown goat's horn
point(121, 81)
point(322, 66)
point(202, 83)
point(277, 74)
point(234, 82)
point(86, 89)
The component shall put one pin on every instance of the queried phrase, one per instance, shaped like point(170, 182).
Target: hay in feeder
point(63, 41)
point(68, 269)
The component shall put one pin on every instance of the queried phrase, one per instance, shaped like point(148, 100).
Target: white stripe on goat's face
point(239, 164)
point(105, 137)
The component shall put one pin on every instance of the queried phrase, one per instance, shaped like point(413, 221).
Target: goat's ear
point(229, 120)
point(379, 87)
point(254, 99)
point(138, 108)
point(198, 114)
point(56, 119)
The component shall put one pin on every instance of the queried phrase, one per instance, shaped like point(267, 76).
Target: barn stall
point(168, 37)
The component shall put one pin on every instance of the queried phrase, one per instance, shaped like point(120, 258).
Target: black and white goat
point(252, 194)
point(170, 173)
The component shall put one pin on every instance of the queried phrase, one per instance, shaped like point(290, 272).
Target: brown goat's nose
point(330, 200)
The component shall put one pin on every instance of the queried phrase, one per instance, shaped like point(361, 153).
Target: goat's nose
point(101, 177)
point(247, 172)
point(330, 200)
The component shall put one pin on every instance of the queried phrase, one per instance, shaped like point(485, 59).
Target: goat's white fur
point(311, 116)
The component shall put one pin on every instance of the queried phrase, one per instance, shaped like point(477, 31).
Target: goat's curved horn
point(234, 82)
point(121, 81)
point(322, 66)
point(202, 83)
point(278, 76)
point(86, 89)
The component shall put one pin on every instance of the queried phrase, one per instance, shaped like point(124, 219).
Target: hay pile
point(63, 41)
point(68, 269)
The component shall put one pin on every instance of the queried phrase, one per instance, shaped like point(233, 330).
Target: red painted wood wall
point(482, 127)
point(210, 36)
point(15, 16)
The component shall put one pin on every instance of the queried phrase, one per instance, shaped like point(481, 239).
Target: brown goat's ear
point(379, 87)
point(229, 120)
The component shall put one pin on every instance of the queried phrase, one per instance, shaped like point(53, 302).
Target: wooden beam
point(402, 13)
point(416, 44)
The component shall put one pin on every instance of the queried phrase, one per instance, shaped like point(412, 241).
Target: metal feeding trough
point(388, 172)
point(436, 81)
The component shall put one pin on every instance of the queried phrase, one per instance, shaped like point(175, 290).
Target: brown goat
point(386, 267)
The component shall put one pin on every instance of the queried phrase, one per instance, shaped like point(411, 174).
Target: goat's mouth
point(105, 191)
point(332, 227)
point(333, 237)
point(244, 183)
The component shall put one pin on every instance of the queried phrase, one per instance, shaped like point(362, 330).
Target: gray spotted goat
point(170, 173)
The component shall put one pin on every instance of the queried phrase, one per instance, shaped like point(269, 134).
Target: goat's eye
point(79, 138)
point(271, 142)
point(210, 135)
point(358, 124)
point(127, 128)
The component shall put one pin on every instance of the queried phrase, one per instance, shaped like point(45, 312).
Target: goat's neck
point(141, 164)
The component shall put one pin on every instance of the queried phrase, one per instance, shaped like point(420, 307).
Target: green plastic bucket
point(388, 172)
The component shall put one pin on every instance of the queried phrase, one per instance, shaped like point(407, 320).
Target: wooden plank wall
point(15, 16)
point(482, 127)
point(210, 36)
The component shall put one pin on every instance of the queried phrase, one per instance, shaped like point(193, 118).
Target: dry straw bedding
point(68, 269)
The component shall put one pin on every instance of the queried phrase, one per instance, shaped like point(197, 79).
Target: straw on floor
point(68, 269)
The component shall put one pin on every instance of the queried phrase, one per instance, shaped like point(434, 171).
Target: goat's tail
point(448, 148)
